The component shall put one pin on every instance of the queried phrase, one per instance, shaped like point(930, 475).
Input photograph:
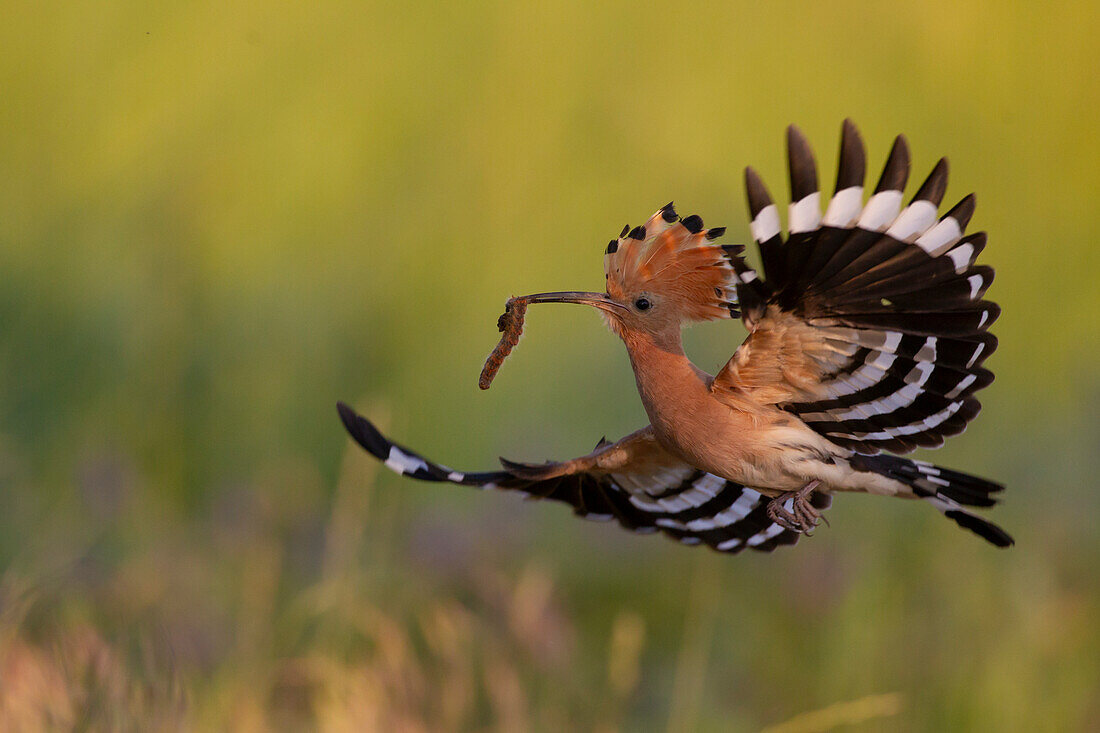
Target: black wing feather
point(697, 508)
point(894, 291)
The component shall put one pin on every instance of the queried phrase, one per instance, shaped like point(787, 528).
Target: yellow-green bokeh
point(216, 220)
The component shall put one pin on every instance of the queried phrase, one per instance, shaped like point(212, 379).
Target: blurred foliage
point(216, 220)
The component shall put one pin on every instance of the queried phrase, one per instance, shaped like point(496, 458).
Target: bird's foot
point(802, 516)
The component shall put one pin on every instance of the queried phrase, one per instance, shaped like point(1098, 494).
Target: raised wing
point(634, 481)
point(870, 323)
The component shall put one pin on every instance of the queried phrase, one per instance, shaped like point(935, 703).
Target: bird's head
point(660, 276)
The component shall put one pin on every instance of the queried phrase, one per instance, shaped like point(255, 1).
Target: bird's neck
point(668, 383)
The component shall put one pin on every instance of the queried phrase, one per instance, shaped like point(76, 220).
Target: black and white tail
point(947, 490)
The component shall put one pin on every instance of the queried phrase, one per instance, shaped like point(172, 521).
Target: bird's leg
point(803, 516)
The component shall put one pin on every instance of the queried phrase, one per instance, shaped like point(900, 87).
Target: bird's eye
point(642, 304)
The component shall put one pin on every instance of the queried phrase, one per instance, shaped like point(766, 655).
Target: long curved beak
point(596, 300)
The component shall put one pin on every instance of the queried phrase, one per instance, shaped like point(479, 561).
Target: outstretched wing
point(634, 481)
point(870, 324)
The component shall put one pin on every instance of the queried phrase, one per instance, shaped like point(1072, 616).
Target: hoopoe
point(867, 334)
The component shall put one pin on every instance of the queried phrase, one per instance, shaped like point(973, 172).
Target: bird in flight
point(867, 333)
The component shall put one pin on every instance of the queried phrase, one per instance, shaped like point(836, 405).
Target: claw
point(803, 516)
point(782, 516)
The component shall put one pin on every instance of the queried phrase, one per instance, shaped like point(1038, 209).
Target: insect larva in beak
point(510, 324)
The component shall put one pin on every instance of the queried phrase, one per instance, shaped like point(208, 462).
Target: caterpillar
point(510, 324)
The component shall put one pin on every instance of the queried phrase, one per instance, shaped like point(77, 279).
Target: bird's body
point(867, 335)
point(733, 436)
point(754, 445)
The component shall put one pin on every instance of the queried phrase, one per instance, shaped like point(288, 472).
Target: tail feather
point(981, 527)
point(947, 490)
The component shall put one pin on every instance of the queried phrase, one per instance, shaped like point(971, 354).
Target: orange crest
point(677, 260)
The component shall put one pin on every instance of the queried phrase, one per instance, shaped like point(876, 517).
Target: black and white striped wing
point(890, 297)
point(651, 491)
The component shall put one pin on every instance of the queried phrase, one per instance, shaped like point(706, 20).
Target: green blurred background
point(218, 219)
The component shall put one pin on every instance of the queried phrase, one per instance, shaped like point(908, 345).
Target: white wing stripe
point(963, 384)
point(868, 375)
point(977, 353)
point(920, 372)
point(844, 208)
point(941, 237)
point(882, 360)
point(736, 511)
point(710, 485)
point(805, 215)
point(761, 537)
point(904, 397)
point(961, 257)
point(654, 482)
point(882, 406)
point(766, 224)
point(927, 350)
point(882, 209)
point(914, 221)
point(912, 429)
point(975, 285)
point(703, 490)
point(403, 463)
